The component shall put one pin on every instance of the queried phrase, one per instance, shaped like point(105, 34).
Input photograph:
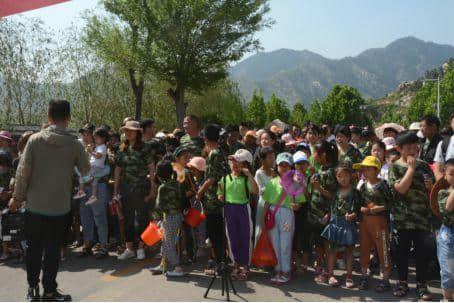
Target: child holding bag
point(235, 190)
point(374, 230)
point(341, 229)
point(280, 219)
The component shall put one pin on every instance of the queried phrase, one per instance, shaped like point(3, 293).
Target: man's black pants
point(45, 236)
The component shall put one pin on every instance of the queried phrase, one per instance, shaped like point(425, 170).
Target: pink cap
point(6, 135)
point(198, 163)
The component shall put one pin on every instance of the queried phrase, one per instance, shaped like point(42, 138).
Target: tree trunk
point(177, 96)
point(137, 87)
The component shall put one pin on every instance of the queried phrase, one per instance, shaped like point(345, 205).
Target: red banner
point(11, 7)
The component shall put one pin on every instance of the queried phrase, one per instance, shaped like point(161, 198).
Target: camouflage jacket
point(231, 149)
point(350, 203)
point(352, 156)
point(215, 169)
point(195, 144)
point(134, 165)
point(365, 149)
point(380, 195)
point(189, 184)
point(169, 200)
point(447, 218)
point(411, 211)
point(319, 204)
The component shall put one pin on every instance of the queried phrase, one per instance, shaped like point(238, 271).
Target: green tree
point(124, 39)
point(197, 40)
point(299, 115)
point(343, 105)
point(425, 101)
point(277, 109)
point(256, 110)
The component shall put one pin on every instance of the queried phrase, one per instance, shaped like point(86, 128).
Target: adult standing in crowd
point(134, 161)
point(445, 151)
point(192, 139)
point(149, 130)
point(233, 137)
point(430, 128)
point(47, 193)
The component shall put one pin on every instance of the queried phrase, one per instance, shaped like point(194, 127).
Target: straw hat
point(131, 125)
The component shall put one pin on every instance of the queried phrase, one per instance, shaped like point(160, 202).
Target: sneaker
point(56, 296)
point(333, 282)
point(92, 200)
point(275, 279)
point(33, 294)
point(158, 270)
point(127, 254)
point(283, 278)
point(177, 272)
point(80, 194)
point(141, 254)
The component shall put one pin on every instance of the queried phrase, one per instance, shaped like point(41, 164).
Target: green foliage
point(256, 110)
point(299, 115)
point(277, 109)
point(425, 101)
point(343, 105)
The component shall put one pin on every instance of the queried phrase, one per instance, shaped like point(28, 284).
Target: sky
point(331, 28)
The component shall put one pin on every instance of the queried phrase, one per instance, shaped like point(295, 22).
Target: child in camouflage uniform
point(374, 231)
point(215, 170)
point(445, 237)
point(324, 185)
point(341, 231)
point(411, 180)
point(6, 173)
point(169, 202)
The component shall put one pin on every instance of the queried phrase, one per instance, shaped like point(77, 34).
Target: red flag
point(11, 7)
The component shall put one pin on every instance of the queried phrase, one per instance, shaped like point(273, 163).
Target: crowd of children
point(317, 195)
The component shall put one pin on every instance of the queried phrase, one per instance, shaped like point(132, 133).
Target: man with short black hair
point(233, 137)
point(430, 128)
point(445, 151)
point(192, 139)
point(44, 183)
point(149, 130)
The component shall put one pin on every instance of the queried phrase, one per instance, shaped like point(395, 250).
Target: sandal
point(101, 253)
point(243, 274)
point(401, 289)
point(320, 278)
point(383, 286)
point(86, 252)
point(363, 284)
point(349, 283)
point(423, 293)
point(333, 282)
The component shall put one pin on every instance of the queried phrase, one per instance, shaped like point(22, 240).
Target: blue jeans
point(282, 238)
point(445, 251)
point(95, 214)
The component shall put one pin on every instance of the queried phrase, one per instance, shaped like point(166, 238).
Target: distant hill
point(304, 75)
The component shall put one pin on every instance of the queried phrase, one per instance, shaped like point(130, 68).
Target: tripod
point(224, 273)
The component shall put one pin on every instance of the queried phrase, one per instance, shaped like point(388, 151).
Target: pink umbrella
point(293, 183)
point(380, 130)
point(11, 7)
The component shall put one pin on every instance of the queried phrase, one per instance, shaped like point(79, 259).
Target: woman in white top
point(263, 175)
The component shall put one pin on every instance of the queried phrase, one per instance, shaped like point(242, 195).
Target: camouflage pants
point(172, 224)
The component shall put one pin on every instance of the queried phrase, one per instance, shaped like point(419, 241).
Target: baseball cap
point(89, 127)
point(369, 161)
point(284, 157)
point(299, 157)
point(242, 155)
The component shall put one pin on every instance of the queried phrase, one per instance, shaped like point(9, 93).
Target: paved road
point(111, 280)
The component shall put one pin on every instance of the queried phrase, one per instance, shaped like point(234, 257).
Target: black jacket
point(429, 154)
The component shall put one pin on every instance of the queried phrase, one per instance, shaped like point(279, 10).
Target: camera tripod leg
point(223, 284)
point(231, 283)
point(227, 287)
point(209, 287)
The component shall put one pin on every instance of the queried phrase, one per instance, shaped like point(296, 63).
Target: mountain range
point(305, 76)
